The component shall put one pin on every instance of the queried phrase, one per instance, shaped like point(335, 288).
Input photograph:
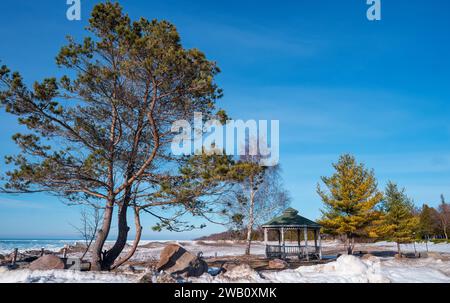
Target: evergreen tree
point(350, 201)
point(397, 223)
point(427, 223)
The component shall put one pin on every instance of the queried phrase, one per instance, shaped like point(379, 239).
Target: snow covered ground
point(61, 276)
point(347, 269)
point(374, 270)
point(435, 269)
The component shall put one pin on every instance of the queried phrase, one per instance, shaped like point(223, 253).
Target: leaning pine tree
point(101, 136)
point(398, 222)
point(351, 200)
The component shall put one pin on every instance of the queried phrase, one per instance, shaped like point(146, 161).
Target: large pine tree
point(102, 135)
point(350, 200)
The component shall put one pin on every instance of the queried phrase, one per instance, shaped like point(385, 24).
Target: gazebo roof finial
point(290, 212)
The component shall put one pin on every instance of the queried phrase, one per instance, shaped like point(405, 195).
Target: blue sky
point(337, 82)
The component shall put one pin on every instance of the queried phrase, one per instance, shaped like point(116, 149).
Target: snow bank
point(60, 276)
point(240, 274)
point(347, 269)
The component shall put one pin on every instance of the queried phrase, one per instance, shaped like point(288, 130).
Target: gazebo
point(290, 220)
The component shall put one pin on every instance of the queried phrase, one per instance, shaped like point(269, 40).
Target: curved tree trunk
point(137, 239)
point(122, 237)
point(102, 235)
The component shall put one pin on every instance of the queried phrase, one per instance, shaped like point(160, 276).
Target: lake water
point(7, 246)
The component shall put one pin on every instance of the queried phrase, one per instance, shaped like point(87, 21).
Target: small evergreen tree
point(350, 201)
point(427, 224)
point(397, 223)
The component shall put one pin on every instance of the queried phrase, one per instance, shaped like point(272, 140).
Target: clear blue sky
point(337, 82)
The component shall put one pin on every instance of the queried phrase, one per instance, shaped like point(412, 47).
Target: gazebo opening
point(304, 231)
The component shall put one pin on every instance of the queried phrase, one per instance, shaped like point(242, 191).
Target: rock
point(166, 278)
point(169, 253)
point(241, 272)
point(423, 255)
point(71, 249)
point(398, 256)
point(47, 262)
point(2, 257)
point(130, 268)
point(229, 266)
point(178, 261)
point(367, 257)
point(278, 264)
point(147, 277)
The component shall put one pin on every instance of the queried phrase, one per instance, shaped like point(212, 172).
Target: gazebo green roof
point(291, 218)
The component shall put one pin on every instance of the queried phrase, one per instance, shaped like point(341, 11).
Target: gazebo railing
point(280, 251)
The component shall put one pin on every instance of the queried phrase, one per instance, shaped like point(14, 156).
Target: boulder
point(176, 260)
point(229, 265)
point(241, 272)
point(278, 264)
point(367, 257)
point(147, 277)
point(47, 262)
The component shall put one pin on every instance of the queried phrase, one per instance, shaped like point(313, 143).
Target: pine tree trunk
point(137, 239)
point(102, 235)
point(122, 237)
point(399, 250)
point(349, 241)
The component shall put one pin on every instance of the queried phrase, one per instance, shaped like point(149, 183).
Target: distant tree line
point(355, 208)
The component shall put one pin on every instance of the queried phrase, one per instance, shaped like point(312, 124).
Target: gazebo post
point(299, 242)
point(265, 242)
point(320, 245)
point(284, 243)
point(266, 238)
point(305, 230)
point(316, 248)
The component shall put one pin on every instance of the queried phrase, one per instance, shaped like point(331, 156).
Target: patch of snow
point(345, 269)
point(240, 274)
point(61, 276)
